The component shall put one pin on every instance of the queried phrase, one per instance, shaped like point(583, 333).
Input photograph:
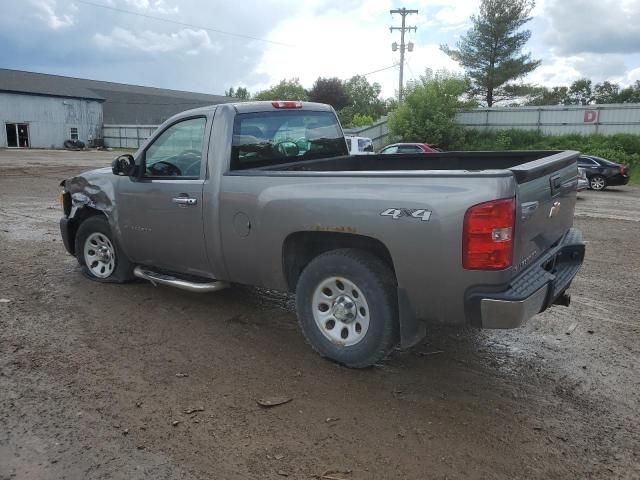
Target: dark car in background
point(603, 173)
point(409, 148)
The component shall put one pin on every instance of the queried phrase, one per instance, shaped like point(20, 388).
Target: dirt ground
point(92, 384)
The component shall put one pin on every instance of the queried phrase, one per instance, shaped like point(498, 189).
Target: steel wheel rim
point(99, 255)
point(341, 311)
point(597, 183)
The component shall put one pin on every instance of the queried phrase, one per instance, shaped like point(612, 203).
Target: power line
point(183, 24)
point(380, 70)
point(403, 12)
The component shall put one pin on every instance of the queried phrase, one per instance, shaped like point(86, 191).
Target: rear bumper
point(618, 180)
point(532, 291)
point(583, 185)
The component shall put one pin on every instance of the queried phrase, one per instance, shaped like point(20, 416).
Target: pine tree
point(491, 51)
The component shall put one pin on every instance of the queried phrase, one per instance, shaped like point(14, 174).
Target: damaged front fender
point(85, 195)
point(94, 189)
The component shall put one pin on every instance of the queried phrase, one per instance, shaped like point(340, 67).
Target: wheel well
point(81, 215)
point(301, 247)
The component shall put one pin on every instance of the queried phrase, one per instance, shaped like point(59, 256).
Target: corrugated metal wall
point(378, 132)
point(557, 119)
point(553, 120)
point(127, 136)
point(132, 136)
point(50, 119)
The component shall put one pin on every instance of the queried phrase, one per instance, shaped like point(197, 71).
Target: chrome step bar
point(163, 279)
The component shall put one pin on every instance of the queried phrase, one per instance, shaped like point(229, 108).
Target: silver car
point(583, 181)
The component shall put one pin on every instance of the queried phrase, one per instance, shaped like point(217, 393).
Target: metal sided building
point(43, 111)
point(35, 113)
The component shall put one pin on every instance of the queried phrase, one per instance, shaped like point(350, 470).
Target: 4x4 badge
point(396, 213)
point(555, 209)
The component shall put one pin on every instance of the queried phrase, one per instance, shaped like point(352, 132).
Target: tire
point(597, 182)
point(363, 303)
point(99, 254)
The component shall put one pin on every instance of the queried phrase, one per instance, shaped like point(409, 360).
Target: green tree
point(630, 94)
point(491, 51)
point(549, 96)
point(361, 120)
point(365, 96)
point(428, 111)
point(331, 91)
point(606, 92)
point(285, 90)
point(241, 93)
point(365, 100)
point(580, 92)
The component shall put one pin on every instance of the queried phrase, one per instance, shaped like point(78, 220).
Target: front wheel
point(347, 307)
point(99, 254)
point(598, 182)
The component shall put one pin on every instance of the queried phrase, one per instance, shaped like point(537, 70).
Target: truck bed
point(525, 165)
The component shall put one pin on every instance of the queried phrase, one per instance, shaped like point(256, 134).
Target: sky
point(210, 45)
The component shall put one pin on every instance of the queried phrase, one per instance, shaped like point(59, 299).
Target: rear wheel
point(347, 307)
point(598, 182)
point(98, 253)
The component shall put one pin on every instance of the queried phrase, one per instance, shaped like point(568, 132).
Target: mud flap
point(412, 330)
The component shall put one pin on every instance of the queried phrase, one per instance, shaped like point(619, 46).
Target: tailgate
point(546, 198)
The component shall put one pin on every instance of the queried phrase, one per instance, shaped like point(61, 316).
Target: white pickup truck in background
point(359, 145)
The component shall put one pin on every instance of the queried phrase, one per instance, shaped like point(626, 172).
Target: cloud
point(47, 11)
point(456, 15)
point(593, 26)
point(330, 43)
point(330, 38)
point(186, 40)
point(560, 70)
point(156, 6)
point(633, 76)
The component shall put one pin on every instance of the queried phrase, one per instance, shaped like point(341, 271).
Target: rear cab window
point(285, 136)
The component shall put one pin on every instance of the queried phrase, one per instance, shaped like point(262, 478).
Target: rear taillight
point(622, 169)
point(287, 104)
point(487, 238)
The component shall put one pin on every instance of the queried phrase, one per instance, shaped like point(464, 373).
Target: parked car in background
point(603, 173)
point(359, 145)
point(409, 148)
point(583, 181)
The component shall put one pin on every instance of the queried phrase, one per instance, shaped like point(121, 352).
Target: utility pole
point(409, 47)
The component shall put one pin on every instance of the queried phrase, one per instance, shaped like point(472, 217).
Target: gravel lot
point(89, 384)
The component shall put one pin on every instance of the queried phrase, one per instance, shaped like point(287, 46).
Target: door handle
point(185, 200)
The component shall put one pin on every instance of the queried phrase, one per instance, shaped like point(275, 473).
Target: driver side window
point(177, 152)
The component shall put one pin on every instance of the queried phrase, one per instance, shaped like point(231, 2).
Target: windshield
point(279, 137)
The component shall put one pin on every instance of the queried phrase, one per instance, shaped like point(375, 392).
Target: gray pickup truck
point(375, 247)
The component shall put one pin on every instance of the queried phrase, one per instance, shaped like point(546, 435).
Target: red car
point(410, 148)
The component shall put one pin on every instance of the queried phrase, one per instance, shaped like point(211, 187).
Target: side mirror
point(124, 165)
